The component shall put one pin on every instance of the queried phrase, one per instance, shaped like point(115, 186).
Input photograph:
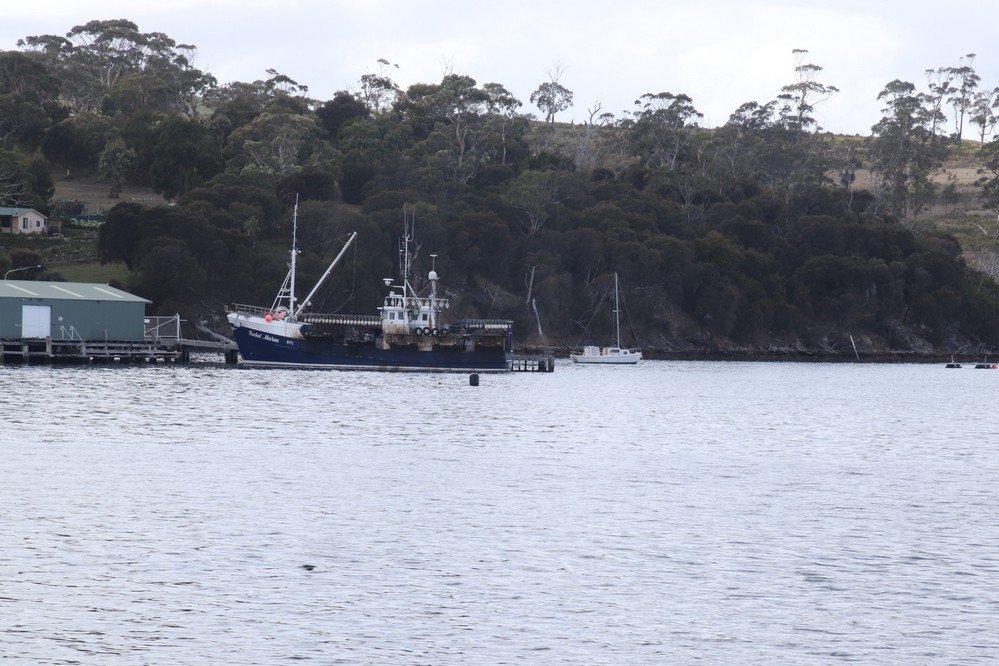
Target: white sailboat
point(609, 355)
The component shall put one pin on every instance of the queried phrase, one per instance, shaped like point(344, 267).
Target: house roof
point(66, 291)
point(7, 211)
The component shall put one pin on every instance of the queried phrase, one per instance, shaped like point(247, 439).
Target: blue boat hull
point(262, 349)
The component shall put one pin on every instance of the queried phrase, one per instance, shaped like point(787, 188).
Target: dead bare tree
point(587, 151)
point(12, 191)
point(529, 279)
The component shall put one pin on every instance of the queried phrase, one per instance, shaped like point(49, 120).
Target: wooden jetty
point(109, 351)
point(162, 344)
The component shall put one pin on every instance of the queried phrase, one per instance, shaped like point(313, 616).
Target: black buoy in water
point(473, 379)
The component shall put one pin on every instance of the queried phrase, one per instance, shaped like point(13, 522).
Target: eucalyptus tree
point(378, 91)
point(279, 144)
point(905, 153)
point(939, 87)
point(533, 193)
point(372, 153)
point(279, 85)
point(801, 96)
point(339, 111)
point(93, 58)
point(502, 107)
point(77, 141)
point(734, 148)
point(116, 163)
point(189, 85)
point(183, 157)
point(663, 126)
point(988, 173)
point(454, 110)
point(236, 104)
point(963, 94)
point(981, 112)
point(28, 75)
point(22, 121)
point(232, 106)
point(139, 94)
point(552, 97)
point(764, 144)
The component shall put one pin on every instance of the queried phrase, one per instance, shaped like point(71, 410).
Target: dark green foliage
point(23, 258)
point(77, 142)
point(310, 183)
point(184, 157)
point(340, 111)
point(169, 275)
point(22, 122)
point(746, 234)
point(27, 75)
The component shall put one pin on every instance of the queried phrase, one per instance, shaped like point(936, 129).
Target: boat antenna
point(294, 252)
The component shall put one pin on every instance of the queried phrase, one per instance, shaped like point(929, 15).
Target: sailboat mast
point(294, 253)
point(617, 314)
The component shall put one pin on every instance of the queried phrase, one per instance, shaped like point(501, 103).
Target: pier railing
point(248, 309)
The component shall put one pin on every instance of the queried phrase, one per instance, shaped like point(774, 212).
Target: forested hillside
point(764, 235)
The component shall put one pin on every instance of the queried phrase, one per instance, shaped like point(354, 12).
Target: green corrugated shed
point(69, 310)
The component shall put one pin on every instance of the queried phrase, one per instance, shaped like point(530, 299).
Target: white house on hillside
point(22, 221)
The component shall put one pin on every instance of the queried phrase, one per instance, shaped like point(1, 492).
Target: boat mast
point(617, 313)
point(294, 252)
point(409, 223)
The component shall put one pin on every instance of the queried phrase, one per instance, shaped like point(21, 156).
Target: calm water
point(666, 513)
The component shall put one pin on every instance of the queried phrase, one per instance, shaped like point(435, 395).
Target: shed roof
point(66, 291)
point(7, 211)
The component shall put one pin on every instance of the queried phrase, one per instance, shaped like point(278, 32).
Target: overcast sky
point(719, 52)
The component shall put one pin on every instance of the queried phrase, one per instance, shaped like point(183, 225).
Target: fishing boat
point(616, 355)
point(408, 333)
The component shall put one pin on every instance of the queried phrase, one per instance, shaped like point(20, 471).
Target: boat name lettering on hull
point(264, 336)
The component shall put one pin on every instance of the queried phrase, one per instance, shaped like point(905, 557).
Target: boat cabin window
point(391, 315)
point(423, 316)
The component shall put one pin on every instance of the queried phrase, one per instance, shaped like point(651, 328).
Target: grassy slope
point(94, 192)
point(76, 257)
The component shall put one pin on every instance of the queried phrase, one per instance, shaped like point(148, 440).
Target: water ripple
point(667, 513)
